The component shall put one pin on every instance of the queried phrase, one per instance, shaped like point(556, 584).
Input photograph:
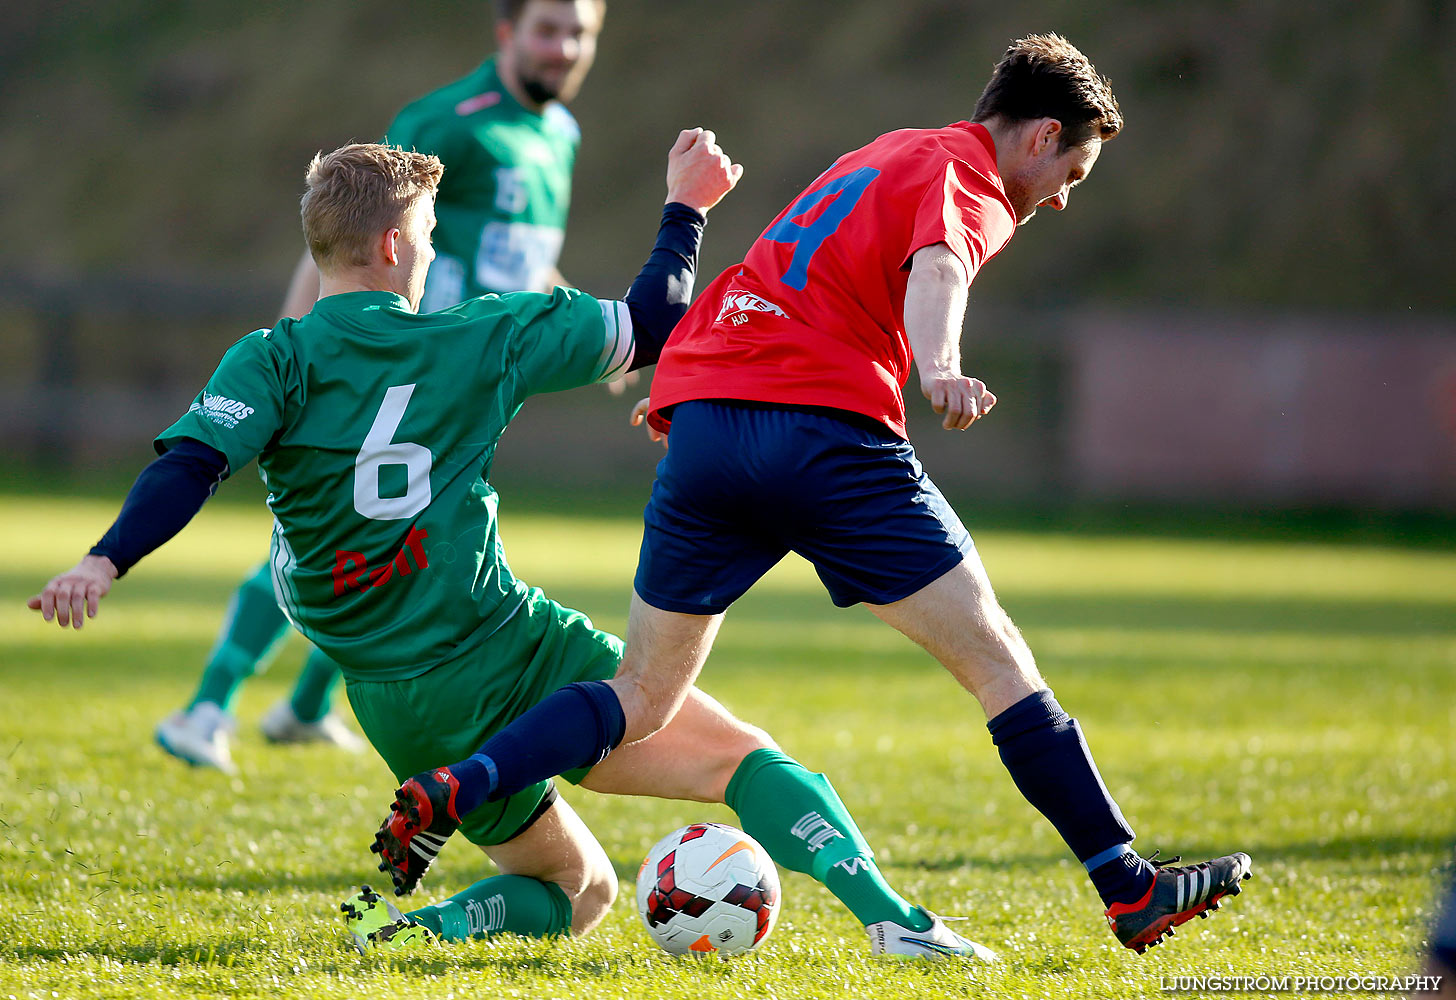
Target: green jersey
point(501, 207)
point(375, 428)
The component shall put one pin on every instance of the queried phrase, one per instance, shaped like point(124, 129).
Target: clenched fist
point(960, 400)
point(699, 173)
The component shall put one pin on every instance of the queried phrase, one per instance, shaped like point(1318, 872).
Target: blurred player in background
point(784, 388)
point(375, 428)
point(508, 144)
point(1441, 960)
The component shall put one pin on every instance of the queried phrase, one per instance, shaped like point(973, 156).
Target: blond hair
point(1044, 76)
point(357, 192)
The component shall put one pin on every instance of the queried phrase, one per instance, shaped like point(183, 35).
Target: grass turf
point(1291, 700)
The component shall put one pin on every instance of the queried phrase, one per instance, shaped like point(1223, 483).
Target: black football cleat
point(1176, 896)
point(420, 820)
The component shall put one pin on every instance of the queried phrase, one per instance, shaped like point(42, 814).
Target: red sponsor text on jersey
point(352, 571)
point(814, 316)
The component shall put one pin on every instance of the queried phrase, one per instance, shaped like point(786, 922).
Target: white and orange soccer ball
point(708, 888)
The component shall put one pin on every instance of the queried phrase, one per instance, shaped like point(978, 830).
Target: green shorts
point(444, 715)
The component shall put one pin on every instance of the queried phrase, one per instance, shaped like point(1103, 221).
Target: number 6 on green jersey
point(380, 450)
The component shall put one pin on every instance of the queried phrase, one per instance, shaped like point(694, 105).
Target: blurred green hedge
point(1288, 154)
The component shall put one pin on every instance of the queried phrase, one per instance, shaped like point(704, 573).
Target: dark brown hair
point(1044, 76)
point(357, 192)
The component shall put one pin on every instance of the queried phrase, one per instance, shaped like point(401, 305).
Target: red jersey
point(815, 314)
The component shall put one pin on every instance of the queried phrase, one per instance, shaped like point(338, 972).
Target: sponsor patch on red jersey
point(738, 308)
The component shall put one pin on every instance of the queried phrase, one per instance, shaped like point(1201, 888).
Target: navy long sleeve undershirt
point(663, 288)
point(169, 493)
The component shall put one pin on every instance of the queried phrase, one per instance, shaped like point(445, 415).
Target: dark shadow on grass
point(342, 881)
point(555, 958)
point(439, 882)
point(215, 952)
point(548, 958)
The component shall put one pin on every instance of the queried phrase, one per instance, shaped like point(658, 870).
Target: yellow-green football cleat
point(375, 924)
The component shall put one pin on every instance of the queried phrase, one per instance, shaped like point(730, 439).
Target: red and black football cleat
point(1176, 896)
point(420, 820)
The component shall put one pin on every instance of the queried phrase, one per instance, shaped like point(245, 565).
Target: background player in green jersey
point(509, 145)
point(375, 427)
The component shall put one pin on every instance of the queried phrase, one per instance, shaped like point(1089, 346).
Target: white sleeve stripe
point(618, 347)
point(619, 356)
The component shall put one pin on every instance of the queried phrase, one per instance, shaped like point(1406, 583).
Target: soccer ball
point(708, 888)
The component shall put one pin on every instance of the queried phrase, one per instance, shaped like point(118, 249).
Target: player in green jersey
point(509, 144)
point(375, 427)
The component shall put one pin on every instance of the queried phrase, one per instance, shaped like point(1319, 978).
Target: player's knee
point(753, 739)
point(644, 709)
point(592, 896)
point(745, 740)
point(639, 727)
point(720, 758)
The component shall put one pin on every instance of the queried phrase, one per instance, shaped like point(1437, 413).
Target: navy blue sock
point(1124, 879)
point(575, 726)
point(1043, 749)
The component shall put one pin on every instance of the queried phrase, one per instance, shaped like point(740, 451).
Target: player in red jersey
point(782, 386)
point(765, 331)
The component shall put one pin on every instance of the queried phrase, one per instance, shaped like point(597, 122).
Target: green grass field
point(1293, 700)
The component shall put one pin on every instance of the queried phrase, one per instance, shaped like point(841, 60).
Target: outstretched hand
point(76, 594)
point(639, 415)
point(699, 173)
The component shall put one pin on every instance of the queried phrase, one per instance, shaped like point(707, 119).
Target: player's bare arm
point(935, 308)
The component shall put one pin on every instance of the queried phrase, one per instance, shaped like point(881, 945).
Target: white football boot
point(282, 725)
point(890, 938)
point(199, 736)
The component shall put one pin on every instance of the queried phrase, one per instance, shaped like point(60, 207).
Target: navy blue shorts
point(744, 484)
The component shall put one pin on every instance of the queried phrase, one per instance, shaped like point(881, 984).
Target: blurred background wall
point(1250, 301)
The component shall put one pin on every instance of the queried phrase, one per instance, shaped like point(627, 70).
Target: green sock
point(798, 818)
point(510, 904)
point(311, 693)
point(252, 627)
